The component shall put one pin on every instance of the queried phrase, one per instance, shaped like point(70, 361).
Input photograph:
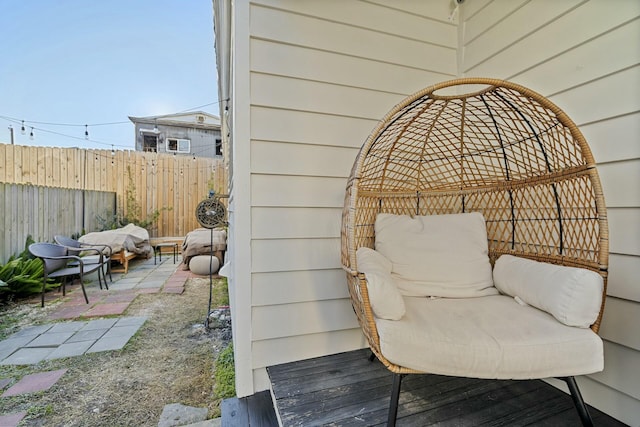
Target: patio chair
point(475, 238)
point(102, 254)
point(58, 263)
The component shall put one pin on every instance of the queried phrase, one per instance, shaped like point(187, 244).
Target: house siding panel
point(303, 318)
point(345, 38)
point(295, 254)
point(285, 287)
point(316, 65)
point(282, 350)
point(312, 160)
point(584, 56)
point(301, 127)
point(295, 223)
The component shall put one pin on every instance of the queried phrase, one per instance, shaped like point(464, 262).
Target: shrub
point(21, 276)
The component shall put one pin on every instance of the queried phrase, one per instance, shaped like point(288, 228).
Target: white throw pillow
point(385, 298)
point(571, 295)
point(437, 255)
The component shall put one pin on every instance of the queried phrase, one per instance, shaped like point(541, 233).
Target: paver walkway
point(85, 332)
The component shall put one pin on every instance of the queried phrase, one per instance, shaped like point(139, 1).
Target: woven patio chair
point(491, 147)
point(58, 263)
point(90, 254)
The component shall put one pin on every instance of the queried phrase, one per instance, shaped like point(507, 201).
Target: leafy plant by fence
point(164, 183)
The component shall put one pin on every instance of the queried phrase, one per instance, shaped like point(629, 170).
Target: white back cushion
point(437, 255)
point(571, 295)
point(385, 298)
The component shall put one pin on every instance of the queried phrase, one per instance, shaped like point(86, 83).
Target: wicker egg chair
point(478, 145)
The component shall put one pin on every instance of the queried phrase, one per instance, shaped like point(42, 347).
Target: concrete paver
point(71, 349)
point(35, 382)
point(50, 339)
point(12, 420)
point(67, 327)
point(108, 344)
point(27, 356)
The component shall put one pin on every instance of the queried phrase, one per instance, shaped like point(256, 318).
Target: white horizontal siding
point(344, 38)
point(282, 350)
point(624, 231)
point(382, 19)
point(295, 223)
point(318, 97)
point(295, 254)
point(488, 16)
point(272, 124)
point(615, 323)
point(620, 371)
point(285, 287)
point(298, 191)
point(613, 96)
point(539, 31)
point(301, 159)
point(311, 64)
point(624, 271)
point(577, 65)
point(616, 178)
point(614, 139)
point(509, 29)
point(302, 318)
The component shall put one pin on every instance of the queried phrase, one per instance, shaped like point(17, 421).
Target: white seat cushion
point(437, 255)
point(487, 337)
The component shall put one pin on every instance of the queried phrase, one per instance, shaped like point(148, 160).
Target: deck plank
point(347, 389)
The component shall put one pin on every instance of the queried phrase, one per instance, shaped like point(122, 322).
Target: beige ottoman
point(200, 264)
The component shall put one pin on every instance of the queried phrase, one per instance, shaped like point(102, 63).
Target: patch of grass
point(220, 293)
point(225, 374)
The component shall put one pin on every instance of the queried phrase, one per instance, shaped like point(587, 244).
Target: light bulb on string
point(86, 132)
point(113, 152)
point(31, 134)
point(22, 129)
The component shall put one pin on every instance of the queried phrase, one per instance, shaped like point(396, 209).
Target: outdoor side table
point(157, 250)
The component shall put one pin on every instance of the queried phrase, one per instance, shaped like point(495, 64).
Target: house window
point(218, 147)
point(150, 143)
point(176, 145)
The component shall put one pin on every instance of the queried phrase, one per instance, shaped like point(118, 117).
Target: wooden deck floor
point(347, 390)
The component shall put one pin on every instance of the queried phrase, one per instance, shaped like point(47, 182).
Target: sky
point(97, 62)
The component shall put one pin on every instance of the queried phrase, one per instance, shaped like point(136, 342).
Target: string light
point(22, 129)
point(86, 132)
point(31, 134)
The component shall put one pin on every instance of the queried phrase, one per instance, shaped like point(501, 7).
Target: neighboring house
point(188, 134)
point(308, 80)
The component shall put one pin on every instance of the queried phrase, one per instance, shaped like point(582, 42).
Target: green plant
point(133, 214)
point(225, 374)
point(21, 276)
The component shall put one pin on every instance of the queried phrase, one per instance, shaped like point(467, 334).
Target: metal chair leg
point(372, 357)
point(583, 412)
point(395, 397)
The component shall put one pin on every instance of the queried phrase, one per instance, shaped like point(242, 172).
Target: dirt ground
point(169, 360)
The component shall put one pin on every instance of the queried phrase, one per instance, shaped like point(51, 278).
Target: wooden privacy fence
point(144, 183)
point(43, 212)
